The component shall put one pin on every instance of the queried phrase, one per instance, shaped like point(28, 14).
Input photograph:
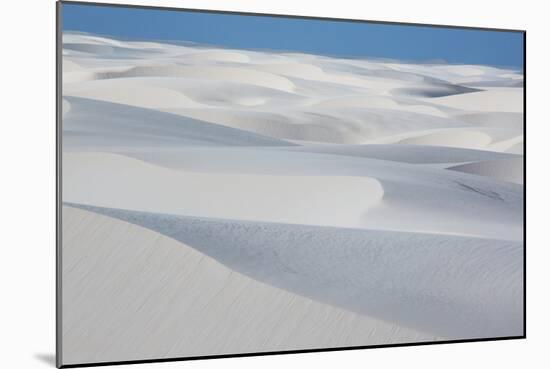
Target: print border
point(59, 238)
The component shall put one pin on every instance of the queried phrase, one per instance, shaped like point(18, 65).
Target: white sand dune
point(137, 92)
point(461, 138)
point(355, 125)
point(321, 190)
point(206, 307)
point(379, 102)
point(232, 201)
point(92, 123)
point(507, 170)
point(503, 120)
point(433, 90)
point(121, 182)
point(459, 74)
point(415, 280)
point(216, 56)
point(412, 154)
point(480, 138)
point(231, 74)
point(370, 100)
point(494, 99)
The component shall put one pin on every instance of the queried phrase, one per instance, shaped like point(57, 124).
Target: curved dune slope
point(207, 308)
point(414, 280)
point(92, 123)
point(122, 182)
point(320, 189)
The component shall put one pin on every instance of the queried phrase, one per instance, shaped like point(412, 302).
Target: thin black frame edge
point(525, 184)
point(58, 183)
point(58, 109)
point(292, 352)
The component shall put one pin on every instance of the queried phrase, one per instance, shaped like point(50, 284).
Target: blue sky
point(335, 38)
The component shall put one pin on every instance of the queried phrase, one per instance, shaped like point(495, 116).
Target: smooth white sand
point(121, 182)
point(320, 189)
point(412, 279)
point(132, 294)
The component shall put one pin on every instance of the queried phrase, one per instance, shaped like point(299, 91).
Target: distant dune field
point(222, 201)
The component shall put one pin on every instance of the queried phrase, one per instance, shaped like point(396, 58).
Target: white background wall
point(27, 202)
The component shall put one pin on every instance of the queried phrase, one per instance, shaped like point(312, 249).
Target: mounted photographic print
point(246, 184)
